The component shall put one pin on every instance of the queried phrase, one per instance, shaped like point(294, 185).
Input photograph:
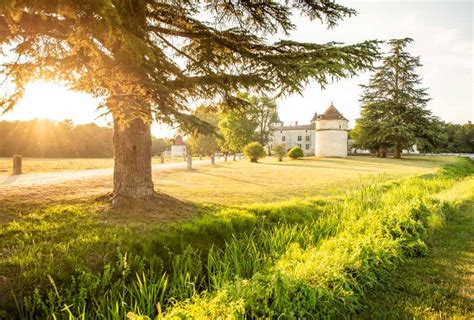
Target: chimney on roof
point(296, 123)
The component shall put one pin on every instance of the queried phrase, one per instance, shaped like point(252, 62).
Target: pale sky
point(443, 34)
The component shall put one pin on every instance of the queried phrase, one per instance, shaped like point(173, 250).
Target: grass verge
point(437, 286)
point(300, 258)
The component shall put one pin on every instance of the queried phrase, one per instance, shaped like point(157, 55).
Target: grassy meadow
point(300, 239)
point(40, 165)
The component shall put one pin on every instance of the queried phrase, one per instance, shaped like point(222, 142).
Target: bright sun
point(48, 100)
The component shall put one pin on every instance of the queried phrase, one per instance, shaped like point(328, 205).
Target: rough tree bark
point(132, 162)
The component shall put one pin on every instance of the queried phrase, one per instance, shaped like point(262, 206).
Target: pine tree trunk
point(132, 158)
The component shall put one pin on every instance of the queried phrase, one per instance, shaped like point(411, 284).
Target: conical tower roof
point(331, 113)
point(178, 141)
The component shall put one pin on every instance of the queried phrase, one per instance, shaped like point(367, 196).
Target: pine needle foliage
point(151, 58)
point(394, 113)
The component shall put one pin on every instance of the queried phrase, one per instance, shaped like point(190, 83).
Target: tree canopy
point(204, 143)
point(150, 58)
point(394, 113)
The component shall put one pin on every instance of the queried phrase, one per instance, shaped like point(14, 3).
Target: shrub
point(254, 151)
point(280, 151)
point(295, 153)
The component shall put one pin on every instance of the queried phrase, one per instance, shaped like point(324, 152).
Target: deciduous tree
point(204, 143)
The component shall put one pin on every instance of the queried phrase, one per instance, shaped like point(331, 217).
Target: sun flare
point(49, 100)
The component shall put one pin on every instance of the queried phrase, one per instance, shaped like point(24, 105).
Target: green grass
point(437, 286)
point(312, 254)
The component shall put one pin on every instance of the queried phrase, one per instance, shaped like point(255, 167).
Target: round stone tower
point(331, 133)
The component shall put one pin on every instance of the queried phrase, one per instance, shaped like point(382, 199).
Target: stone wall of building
point(331, 138)
point(331, 143)
point(304, 138)
point(178, 151)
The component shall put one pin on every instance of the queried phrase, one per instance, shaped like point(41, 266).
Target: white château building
point(325, 136)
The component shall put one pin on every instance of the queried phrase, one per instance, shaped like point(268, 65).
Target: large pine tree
point(394, 113)
point(149, 58)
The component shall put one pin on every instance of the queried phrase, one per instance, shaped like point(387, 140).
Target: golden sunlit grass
point(230, 183)
point(269, 180)
point(37, 165)
point(40, 165)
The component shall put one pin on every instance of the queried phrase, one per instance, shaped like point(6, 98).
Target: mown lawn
point(269, 180)
point(208, 234)
point(38, 165)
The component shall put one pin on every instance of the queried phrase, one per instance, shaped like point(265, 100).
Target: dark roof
point(331, 113)
point(315, 117)
point(178, 141)
point(311, 126)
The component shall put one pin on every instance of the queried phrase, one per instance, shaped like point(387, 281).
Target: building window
point(307, 138)
point(299, 145)
point(300, 138)
point(283, 138)
point(307, 146)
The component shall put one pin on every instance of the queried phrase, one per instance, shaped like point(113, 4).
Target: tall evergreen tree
point(148, 58)
point(394, 113)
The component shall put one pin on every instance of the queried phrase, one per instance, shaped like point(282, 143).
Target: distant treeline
point(46, 138)
point(455, 138)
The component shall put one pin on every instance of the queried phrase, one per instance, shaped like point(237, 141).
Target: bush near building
point(295, 153)
point(280, 151)
point(254, 151)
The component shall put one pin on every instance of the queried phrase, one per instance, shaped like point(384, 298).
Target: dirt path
point(50, 178)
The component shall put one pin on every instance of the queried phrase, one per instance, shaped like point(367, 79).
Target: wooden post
point(162, 157)
point(213, 160)
point(233, 157)
point(190, 162)
point(17, 164)
point(225, 157)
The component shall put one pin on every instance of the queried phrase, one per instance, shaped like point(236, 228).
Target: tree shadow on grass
point(437, 286)
point(316, 166)
point(163, 208)
point(59, 238)
point(223, 176)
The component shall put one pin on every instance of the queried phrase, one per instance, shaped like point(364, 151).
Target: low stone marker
point(213, 159)
point(162, 157)
point(190, 162)
point(17, 164)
